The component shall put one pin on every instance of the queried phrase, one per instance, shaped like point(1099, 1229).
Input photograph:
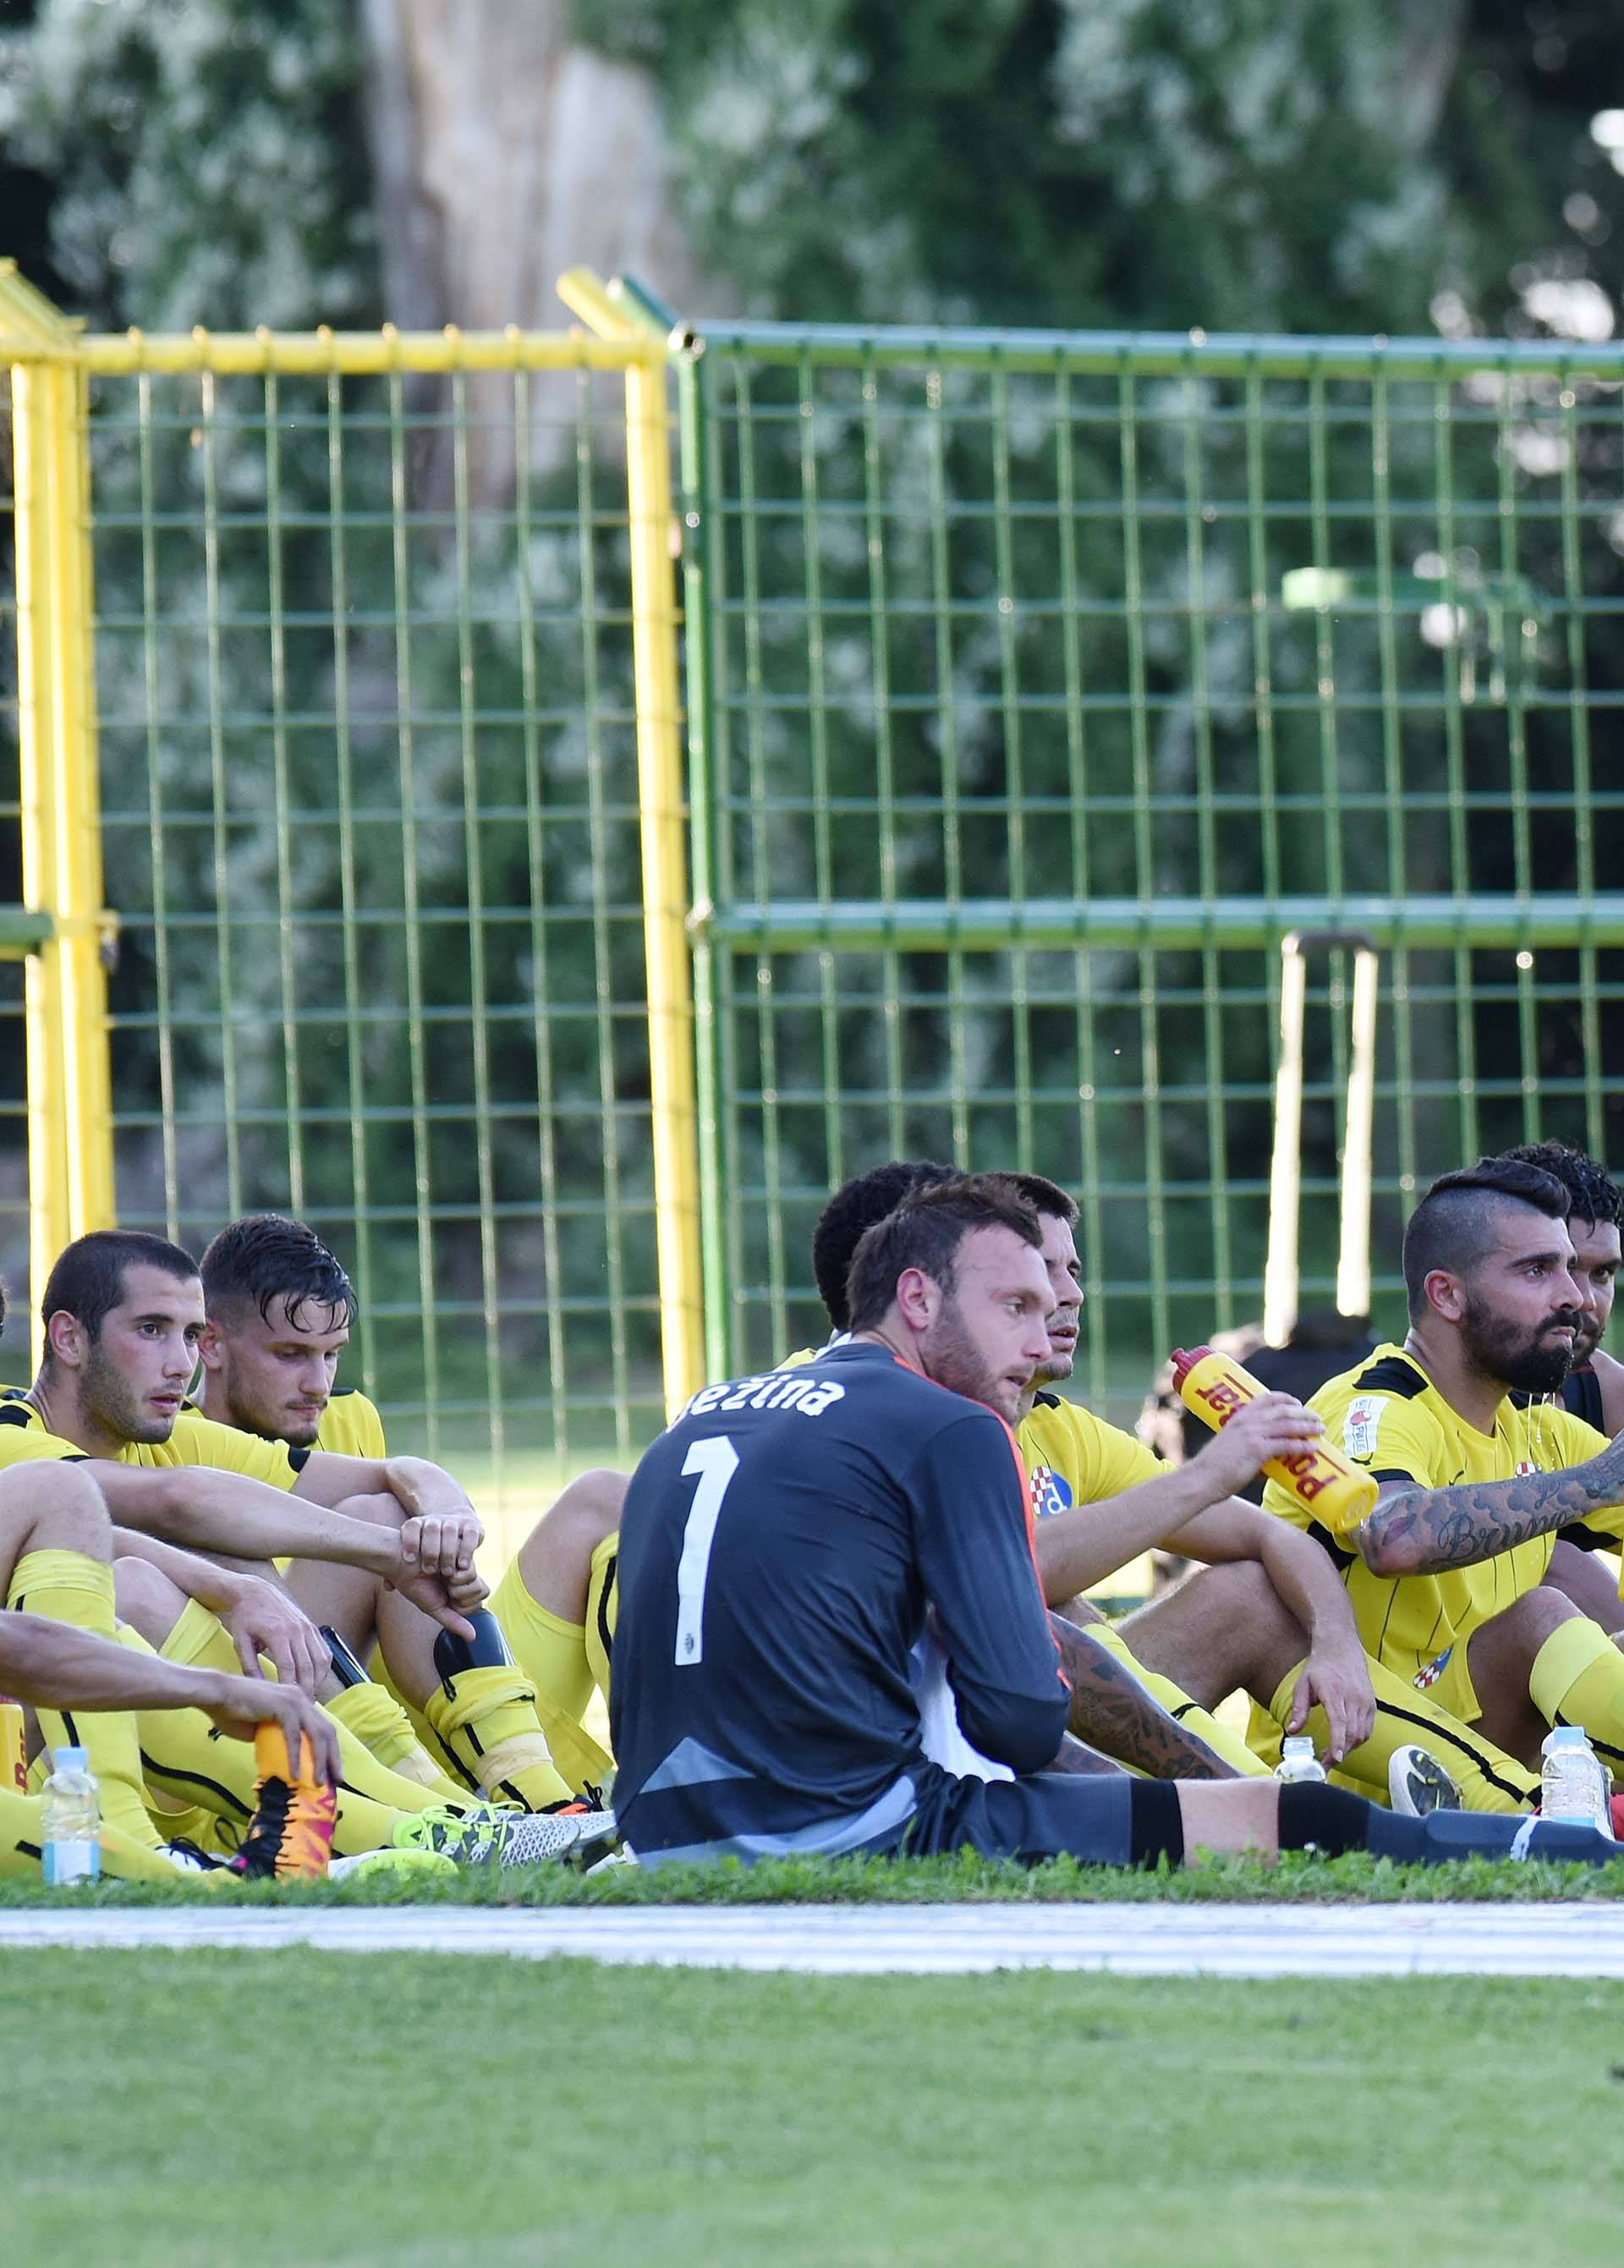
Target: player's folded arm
point(974, 1555)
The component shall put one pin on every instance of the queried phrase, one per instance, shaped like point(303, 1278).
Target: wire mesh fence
point(1038, 686)
point(369, 812)
point(1051, 681)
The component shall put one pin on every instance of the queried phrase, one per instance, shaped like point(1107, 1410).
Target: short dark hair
point(1594, 1195)
point(1047, 1198)
point(854, 1208)
point(925, 1232)
point(87, 1281)
point(266, 1257)
point(1453, 1225)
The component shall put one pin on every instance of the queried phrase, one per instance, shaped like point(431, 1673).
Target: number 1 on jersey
point(716, 1460)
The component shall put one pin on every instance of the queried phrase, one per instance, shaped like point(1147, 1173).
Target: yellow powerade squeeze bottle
point(1215, 1386)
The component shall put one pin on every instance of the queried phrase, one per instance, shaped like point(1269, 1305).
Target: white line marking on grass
point(1258, 1941)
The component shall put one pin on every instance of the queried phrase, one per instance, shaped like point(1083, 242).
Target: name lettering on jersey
point(1051, 1491)
point(774, 1389)
point(1362, 1424)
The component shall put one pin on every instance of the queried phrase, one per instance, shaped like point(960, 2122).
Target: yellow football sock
point(193, 1763)
point(1191, 1715)
point(1577, 1678)
point(553, 1655)
point(382, 1674)
point(382, 1725)
point(1487, 1778)
point(66, 1587)
point(485, 1721)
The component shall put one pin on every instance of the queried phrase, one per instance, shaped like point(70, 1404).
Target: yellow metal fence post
point(665, 894)
point(69, 1084)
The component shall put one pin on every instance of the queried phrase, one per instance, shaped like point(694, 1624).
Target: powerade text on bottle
point(72, 1805)
point(1320, 1477)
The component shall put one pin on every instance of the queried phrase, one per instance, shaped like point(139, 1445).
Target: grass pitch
point(1297, 1877)
point(322, 2109)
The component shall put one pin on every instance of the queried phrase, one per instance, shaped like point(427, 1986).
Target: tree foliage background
point(1326, 165)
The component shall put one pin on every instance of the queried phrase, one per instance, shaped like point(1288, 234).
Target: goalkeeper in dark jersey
point(784, 1543)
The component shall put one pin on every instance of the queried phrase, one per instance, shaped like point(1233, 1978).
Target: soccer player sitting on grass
point(783, 1542)
point(123, 1316)
point(278, 1309)
point(1594, 1387)
point(61, 1652)
point(1447, 1574)
point(561, 1594)
point(1258, 1618)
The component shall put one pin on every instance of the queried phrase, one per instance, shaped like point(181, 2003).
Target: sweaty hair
point(1047, 1198)
point(925, 1232)
point(88, 1279)
point(265, 1257)
point(1455, 1225)
point(856, 1206)
point(1594, 1195)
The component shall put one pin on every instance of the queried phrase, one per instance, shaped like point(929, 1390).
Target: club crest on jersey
point(1050, 1492)
point(1525, 1468)
point(1433, 1671)
point(1362, 1423)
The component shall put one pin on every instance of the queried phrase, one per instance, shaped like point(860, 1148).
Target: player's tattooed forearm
point(1112, 1711)
point(1425, 1531)
point(1076, 1758)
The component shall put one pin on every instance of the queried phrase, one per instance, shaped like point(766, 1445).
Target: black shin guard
point(488, 1649)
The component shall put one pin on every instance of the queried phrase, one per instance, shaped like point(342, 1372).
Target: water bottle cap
point(1568, 1736)
point(73, 1759)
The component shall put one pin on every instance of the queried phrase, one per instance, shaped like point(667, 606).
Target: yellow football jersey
point(195, 1440)
point(1389, 1418)
point(1073, 1457)
point(350, 1426)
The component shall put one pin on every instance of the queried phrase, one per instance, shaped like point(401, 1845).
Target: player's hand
point(246, 1702)
point(263, 1619)
point(1341, 1685)
point(1273, 1425)
point(442, 1543)
point(447, 1604)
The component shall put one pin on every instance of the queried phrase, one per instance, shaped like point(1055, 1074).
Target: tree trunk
point(504, 153)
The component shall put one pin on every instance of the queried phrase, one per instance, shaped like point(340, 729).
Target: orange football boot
point(290, 1837)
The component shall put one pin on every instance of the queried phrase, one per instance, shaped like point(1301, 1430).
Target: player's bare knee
point(379, 1508)
point(555, 1560)
point(1534, 1618)
point(146, 1599)
point(587, 1510)
point(50, 1507)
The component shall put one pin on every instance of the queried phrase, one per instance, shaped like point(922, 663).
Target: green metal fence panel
point(370, 809)
point(1050, 680)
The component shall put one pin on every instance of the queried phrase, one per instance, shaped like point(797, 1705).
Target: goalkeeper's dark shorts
point(1113, 1820)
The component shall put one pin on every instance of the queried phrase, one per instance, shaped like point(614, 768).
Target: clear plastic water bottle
point(1297, 1760)
point(72, 1805)
point(1573, 1781)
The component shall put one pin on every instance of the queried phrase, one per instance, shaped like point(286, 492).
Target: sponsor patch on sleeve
point(1362, 1423)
